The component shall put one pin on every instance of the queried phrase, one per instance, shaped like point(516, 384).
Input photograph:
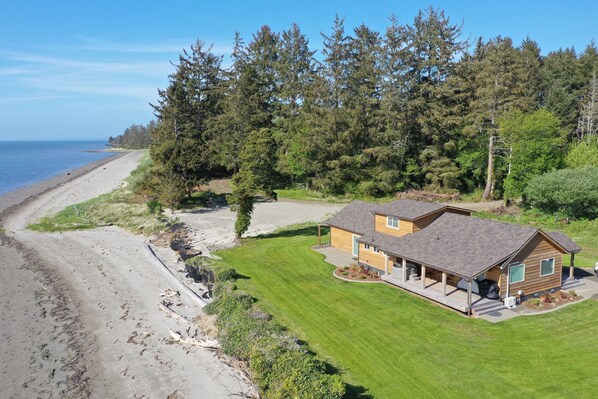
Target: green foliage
point(122, 207)
point(583, 153)
point(134, 137)
point(280, 367)
point(533, 142)
point(567, 192)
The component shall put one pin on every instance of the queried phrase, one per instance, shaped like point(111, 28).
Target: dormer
point(402, 217)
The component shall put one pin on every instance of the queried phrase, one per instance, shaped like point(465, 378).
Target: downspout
point(508, 280)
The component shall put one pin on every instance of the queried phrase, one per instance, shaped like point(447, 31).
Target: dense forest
point(134, 137)
point(416, 106)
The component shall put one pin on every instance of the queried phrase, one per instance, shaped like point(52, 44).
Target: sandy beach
point(80, 313)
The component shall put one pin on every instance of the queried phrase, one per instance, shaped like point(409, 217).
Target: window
point(392, 221)
point(377, 250)
point(517, 273)
point(366, 247)
point(547, 267)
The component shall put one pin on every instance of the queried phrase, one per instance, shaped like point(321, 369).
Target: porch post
point(319, 234)
point(469, 296)
point(444, 283)
point(572, 267)
point(386, 263)
point(404, 269)
point(423, 276)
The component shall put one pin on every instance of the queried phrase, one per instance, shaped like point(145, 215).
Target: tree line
point(372, 113)
point(134, 137)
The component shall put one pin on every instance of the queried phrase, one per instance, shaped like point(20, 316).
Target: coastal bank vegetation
point(126, 207)
point(417, 106)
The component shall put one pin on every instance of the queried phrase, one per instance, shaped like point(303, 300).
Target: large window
point(547, 267)
point(517, 273)
point(392, 221)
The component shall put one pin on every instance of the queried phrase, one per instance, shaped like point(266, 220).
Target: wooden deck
point(454, 298)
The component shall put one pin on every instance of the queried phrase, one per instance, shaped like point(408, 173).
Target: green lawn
point(389, 344)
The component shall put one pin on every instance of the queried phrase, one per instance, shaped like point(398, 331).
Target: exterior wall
point(458, 212)
point(425, 221)
point(494, 274)
point(405, 227)
point(341, 239)
point(369, 257)
point(532, 255)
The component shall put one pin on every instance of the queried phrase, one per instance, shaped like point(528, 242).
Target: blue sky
point(88, 69)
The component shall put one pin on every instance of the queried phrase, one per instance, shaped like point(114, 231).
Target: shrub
point(278, 364)
point(572, 293)
point(569, 192)
point(583, 153)
point(534, 301)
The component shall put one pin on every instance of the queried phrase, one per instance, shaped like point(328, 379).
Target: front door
point(355, 246)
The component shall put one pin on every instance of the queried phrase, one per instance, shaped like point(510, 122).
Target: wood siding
point(532, 255)
point(341, 239)
point(369, 257)
point(405, 227)
point(425, 221)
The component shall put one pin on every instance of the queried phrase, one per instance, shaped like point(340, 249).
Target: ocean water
point(26, 162)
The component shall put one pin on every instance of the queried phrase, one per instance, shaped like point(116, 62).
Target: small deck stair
point(571, 284)
point(487, 306)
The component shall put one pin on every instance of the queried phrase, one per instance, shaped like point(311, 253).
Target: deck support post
point(469, 297)
point(572, 267)
point(444, 283)
point(319, 234)
point(404, 270)
point(423, 276)
point(386, 263)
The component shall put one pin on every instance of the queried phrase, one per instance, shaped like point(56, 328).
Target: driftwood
point(174, 314)
point(169, 293)
point(202, 343)
point(155, 260)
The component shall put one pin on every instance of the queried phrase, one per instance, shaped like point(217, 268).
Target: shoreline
point(10, 201)
point(80, 317)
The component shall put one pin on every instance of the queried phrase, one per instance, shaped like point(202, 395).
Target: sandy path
point(83, 318)
point(213, 228)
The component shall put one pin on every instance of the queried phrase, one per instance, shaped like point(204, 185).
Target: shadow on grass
point(298, 231)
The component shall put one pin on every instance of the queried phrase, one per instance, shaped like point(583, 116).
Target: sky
point(72, 70)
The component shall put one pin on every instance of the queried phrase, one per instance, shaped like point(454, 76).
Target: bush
point(583, 153)
point(278, 364)
point(568, 192)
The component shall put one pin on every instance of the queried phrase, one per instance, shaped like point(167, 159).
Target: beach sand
point(79, 310)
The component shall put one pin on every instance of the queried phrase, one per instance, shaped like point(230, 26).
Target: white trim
point(553, 267)
point(353, 236)
point(509, 276)
point(390, 225)
point(367, 247)
point(376, 250)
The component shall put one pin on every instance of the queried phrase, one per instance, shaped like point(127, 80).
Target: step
point(494, 308)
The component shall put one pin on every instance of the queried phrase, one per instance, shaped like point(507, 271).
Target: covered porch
point(435, 285)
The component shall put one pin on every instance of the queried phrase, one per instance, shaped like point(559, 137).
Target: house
point(445, 254)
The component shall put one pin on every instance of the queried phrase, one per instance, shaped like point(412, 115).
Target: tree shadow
point(300, 231)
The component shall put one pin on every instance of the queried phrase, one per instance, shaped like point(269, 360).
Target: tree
point(433, 104)
point(587, 126)
point(256, 175)
point(179, 142)
point(536, 141)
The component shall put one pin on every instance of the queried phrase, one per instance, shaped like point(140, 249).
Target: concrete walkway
point(335, 256)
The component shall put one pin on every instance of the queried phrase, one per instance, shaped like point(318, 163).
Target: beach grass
point(122, 208)
point(387, 343)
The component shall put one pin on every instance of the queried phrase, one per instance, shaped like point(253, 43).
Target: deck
point(455, 298)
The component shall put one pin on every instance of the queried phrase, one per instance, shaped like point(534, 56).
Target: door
point(355, 245)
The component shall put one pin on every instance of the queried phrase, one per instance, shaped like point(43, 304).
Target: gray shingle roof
point(457, 244)
point(409, 209)
point(565, 242)
point(357, 217)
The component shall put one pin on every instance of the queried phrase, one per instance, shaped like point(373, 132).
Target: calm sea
point(26, 162)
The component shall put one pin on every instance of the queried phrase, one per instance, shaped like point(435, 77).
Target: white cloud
point(23, 99)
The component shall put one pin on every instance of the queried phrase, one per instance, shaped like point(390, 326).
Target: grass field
point(389, 344)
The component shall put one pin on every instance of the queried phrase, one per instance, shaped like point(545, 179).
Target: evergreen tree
point(256, 175)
